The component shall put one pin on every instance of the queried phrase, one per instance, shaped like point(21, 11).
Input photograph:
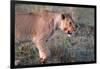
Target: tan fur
point(38, 27)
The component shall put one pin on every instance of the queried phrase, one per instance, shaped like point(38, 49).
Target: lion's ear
point(62, 16)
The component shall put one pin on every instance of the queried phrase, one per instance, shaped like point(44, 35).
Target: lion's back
point(28, 25)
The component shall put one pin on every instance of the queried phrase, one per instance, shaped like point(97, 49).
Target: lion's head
point(67, 24)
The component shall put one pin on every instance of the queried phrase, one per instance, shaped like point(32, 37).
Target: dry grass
point(79, 48)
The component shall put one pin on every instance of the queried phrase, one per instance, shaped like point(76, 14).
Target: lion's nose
point(69, 32)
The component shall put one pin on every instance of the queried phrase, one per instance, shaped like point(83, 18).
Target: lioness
point(40, 26)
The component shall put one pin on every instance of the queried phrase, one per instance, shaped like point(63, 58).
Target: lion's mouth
point(69, 33)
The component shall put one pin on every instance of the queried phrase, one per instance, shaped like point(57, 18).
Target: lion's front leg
point(44, 52)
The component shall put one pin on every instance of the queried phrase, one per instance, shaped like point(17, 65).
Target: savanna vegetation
point(78, 48)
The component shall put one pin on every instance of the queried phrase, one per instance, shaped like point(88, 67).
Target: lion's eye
point(65, 29)
point(70, 23)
